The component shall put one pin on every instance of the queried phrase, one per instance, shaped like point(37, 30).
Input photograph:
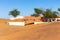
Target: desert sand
point(44, 31)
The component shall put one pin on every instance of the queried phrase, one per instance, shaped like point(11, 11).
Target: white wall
point(13, 18)
point(57, 19)
point(20, 17)
point(38, 22)
point(17, 23)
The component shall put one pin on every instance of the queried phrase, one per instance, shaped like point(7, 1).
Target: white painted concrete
point(38, 22)
point(17, 23)
point(57, 19)
point(20, 17)
point(13, 18)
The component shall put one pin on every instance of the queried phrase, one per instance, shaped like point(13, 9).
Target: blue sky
point(26, 7)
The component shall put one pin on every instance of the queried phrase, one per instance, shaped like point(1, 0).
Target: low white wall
point(13, 18)
point(38, 22)
point(57, 19)
point(17, 23)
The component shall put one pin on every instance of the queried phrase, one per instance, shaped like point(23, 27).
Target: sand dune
point(45, 31)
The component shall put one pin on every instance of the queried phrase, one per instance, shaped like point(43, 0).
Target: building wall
point(27, 19)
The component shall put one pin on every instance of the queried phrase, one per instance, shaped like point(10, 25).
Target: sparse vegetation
point(37, 12)
point(48, 13)
point(14, 13)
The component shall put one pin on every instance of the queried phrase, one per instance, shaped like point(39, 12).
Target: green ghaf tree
point(37, 12)
point(50, 15)
point(14, 13)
